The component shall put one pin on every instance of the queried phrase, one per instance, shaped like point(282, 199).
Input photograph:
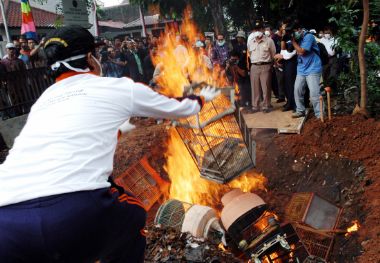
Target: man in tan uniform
point(261, 51)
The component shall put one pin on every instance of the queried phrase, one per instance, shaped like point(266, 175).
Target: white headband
point(57, 64)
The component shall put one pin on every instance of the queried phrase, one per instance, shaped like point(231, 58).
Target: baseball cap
point(67, 42)
point(10, 45)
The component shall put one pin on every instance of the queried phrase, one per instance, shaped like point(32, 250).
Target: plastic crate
point(141, 180)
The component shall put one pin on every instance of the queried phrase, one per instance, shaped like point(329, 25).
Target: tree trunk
point(217, 16)
point(361, 56)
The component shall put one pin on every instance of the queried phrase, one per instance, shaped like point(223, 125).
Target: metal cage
point(214, 140)
point(172, 213)
point(316, 243)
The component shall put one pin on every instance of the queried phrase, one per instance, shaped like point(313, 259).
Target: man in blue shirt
point(309, 70)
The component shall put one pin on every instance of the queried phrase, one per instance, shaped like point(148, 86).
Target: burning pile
point(191, 225)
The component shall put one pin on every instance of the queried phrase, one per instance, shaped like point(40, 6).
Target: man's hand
point(278, 57)
point(209, 93)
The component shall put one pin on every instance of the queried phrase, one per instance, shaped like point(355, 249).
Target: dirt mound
point(147, 139)
point(355, 138)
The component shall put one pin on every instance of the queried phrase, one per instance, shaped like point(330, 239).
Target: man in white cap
point(11, 62)
point(56, 203)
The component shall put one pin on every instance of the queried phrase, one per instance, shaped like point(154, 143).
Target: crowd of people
point(23, 54)
point(287, 61)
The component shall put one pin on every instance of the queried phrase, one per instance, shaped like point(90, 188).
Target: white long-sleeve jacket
point(70, 137)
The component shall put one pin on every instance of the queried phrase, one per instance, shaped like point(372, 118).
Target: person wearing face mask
point(57, 201)
point(330, 70)
point(309, 70)
point(279, 91)
point(261, 50)
point(320, 35)
point(15, 86)
point(220, 52)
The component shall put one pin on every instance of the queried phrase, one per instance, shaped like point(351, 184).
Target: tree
point(362, 63)
point(218, 17)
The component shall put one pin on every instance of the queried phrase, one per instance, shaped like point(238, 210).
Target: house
point(154, 25)
point(43, 19)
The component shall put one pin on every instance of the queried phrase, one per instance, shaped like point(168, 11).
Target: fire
point(221, 247)
point(355, 227)
point(182, 65)
point(188, 186)
point(263, 223)
point(272, 258)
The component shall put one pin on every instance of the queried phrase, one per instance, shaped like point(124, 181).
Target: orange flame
point(221, 247)
point(355, 227)
point(188, 186)
point(180, 63)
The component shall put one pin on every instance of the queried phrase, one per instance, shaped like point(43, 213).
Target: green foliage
point(346, 18)
point(373, 68)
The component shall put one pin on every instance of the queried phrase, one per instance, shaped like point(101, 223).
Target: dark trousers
point(330, 72)
point(280, 82)
point(245, 92)
point(290, 74)
point(78, 227)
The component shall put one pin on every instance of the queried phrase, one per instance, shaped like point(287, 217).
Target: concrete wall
point(11, 128)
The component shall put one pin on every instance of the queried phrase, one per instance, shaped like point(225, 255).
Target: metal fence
point(20, 89)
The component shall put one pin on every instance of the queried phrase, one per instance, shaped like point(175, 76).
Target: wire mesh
point(317, 244)
point(312, 210)
point(139, 181)
point(218, 148)
point(172, 214)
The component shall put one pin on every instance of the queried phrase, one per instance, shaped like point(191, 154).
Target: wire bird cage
point(317, 244)
point(172, 213)
point(214, 140)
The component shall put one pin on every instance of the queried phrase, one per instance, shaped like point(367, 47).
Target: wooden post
point(328, 91)
point(321, 108)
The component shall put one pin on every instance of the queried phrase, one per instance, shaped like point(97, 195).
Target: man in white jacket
point(56, 203)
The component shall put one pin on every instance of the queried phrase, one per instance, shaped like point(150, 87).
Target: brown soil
point(352, 138)
point(339, 160)
point(147, 139)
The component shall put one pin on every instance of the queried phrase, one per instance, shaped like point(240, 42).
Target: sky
point(111, 2)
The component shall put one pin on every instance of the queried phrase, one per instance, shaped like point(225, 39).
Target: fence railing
point(20, 89)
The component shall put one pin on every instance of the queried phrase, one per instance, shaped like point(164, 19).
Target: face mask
point(267, 33)
point(297, 35)
point(221, 43)
point(327, 36)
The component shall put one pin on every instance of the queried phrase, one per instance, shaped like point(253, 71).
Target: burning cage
point(215, 142)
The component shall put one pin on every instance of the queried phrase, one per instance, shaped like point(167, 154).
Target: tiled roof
point(113, 24)
point(41, 17)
